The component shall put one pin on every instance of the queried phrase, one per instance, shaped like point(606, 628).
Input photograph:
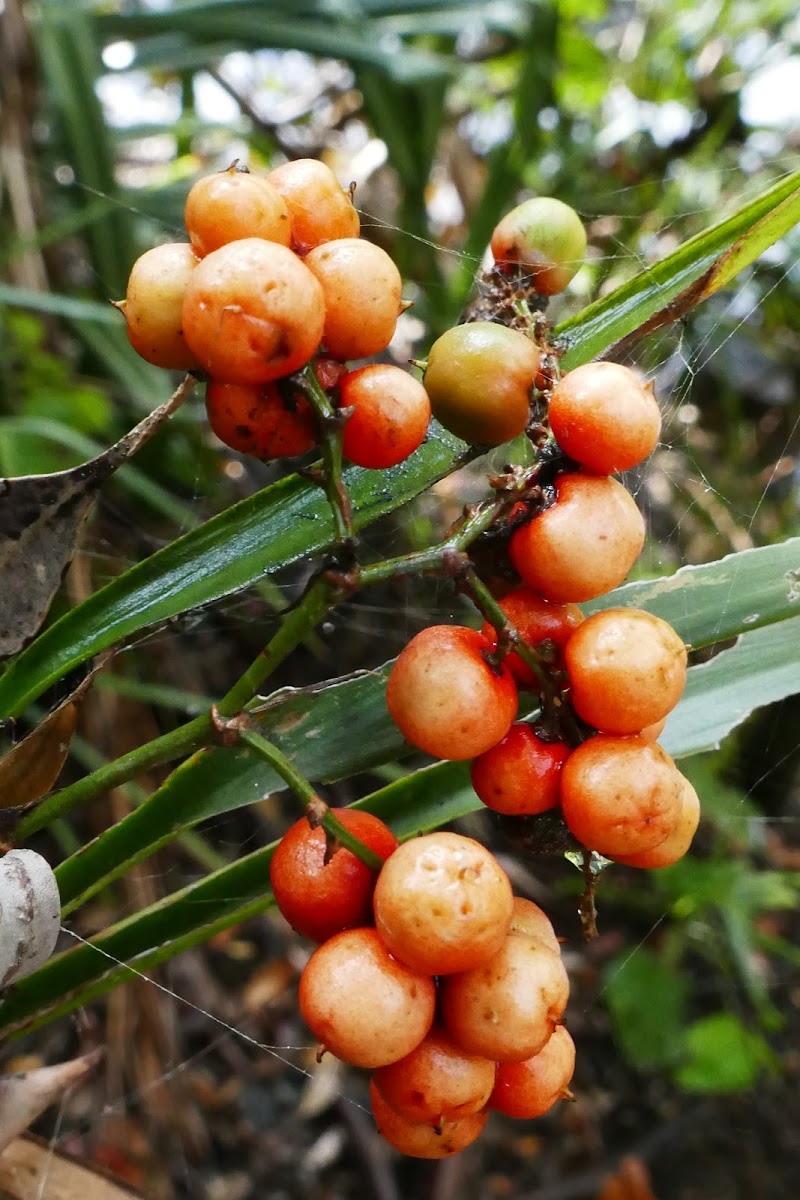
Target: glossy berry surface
point(604, 417)
point(153, 306)
point(620, 795)
point(520, 775)
point(437, 1081)
point(419, 1139)
point(479, 378)
point(673, 848)
point(508, 1008)
point(362, 291)
point(320, 210)
point(231, 205)
point(627, 670)
point(320, 895)
point(536, 620)
point(256, 419)
point(390, 417)
point(361, 1003)
point(542, 237)
point(529, 1089)
point(445, 698)
point(584, 545)
point(252, 312)
point(442, 903)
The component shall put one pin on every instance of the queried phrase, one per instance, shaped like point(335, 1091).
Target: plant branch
point(331, 422)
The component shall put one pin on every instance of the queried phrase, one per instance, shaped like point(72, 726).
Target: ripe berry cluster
point(605, 685)
point(274, 275)
point(489, 1036)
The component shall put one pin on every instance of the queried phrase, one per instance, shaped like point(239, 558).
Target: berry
point(678, 842)
point(436, 1082)
point(254, 419)
point(520, 775)
point(153, 306)
point(627, 670)
point(530, 1089)
point(361, 1003)
point(362, 290)
point(620, 796)
point(536, 620)
point(509, 1007)
point(391, 415)
point(651, 733)
point(320, 896)
point(231, 205)
point(419, 1139)
point(479, 379)
point(604, 418)
point(252, 312)
point(544, 238)
point(442, 903)
point(531, 920)
point(320, 210)
point(583, 545)
point(445, 698)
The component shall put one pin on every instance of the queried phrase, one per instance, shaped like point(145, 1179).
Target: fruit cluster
point(274, 276)
point(606, 684)
point(441, 909)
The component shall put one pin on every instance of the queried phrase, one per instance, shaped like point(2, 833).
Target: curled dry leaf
point(40, 519)
point(30, 914)
point(28, 1162)
point(24, 1096)
point(31, 767)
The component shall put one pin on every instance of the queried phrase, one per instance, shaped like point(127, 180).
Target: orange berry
point(627, 669)
point(391, 416)
point(252, 312)
point(620, 796)
point(362, 290)
point(361, 1003)
point(255, 419)
point(320, 210)
point(531, 920)
point(678, 842)
point(437, 1082)
point(543, 237)
point(509, 1007)
point(529, 1089)
point(445, 698)
point(442, 903)
point(479, 378)
point(320, 896)
point(604, 418)
point(536, 620)
point(583, 545)
point(419, 1139)
point(651, 733)
point(520, 775)
point(153, 306)
point(231, 205)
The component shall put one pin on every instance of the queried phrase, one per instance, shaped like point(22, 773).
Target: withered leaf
point(29, 1161)
point(24, 1096)
point(29, 769)
point(40, 519)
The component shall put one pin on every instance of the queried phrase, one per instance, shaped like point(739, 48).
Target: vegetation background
point(652, 120)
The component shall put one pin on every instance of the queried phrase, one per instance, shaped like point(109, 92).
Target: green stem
point(318, 811)
point(331, 426)
point(435, 557)
point(486, 603)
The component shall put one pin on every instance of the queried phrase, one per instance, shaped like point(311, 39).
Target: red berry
point(678, 841)
point(320, 898)
point(390, 418)
point(232, 205)
point(319, 209)
point(362, 290)
point(604, 418)
point(520, 775)
point(530, 1089)
point(255, 419)
point(419, 1139)
point(536, 620)
point(437, 1082)
point(544, 238)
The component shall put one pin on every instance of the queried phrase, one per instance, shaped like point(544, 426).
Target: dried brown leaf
point(23, 1097)
point(40, 519)
point(28, 1163)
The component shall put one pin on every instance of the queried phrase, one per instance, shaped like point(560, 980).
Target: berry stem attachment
point(331, 425)
point(316, 809)
point(507, 634)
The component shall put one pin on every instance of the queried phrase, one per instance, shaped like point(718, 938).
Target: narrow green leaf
point(71, 307)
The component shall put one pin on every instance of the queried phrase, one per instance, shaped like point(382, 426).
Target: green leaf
point(722, 1055)
point(307, 729)
point(647, 999)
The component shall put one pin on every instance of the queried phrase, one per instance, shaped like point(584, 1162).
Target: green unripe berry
point(545, 238)
point(479, 377)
